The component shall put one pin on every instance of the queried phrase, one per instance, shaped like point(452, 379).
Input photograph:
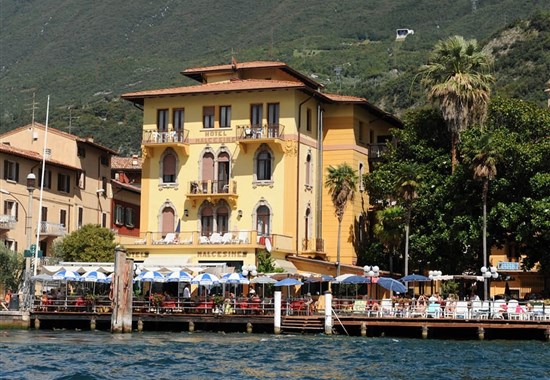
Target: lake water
point(30, 354)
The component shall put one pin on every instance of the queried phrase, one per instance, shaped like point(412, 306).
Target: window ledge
point(262, 183)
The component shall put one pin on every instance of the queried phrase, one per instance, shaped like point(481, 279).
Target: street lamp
point(434, 275)
point(250, 270)
point(487, 273)
point(371, 272)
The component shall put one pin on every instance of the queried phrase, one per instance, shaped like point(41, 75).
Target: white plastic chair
point(386, 308)
point(215, 238)
point(433, 310)
point(227, 238)
point(461, 310)
point(243, 237)
point(204, 240)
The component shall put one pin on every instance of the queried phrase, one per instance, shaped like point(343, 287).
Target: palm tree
point(485, 170)
point(389, 229)
point(341, 183)
point(457, 78)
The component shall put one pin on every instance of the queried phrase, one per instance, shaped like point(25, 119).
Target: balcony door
point(207, 171)
point(223, 173)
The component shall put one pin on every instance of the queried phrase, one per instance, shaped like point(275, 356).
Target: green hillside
point(85, 54)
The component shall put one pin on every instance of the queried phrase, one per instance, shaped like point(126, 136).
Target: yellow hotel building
point(235, 165)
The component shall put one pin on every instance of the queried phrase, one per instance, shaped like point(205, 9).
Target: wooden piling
point(249, 328)
point(425, 332)
point(481, 333)
point(37, 324)
point(191, 326)
point(363, 329)
point(122, 293)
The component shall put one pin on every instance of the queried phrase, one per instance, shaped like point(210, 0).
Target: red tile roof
point(233, 85)
point(127, 163)
point(239, 66)
point(31, 155)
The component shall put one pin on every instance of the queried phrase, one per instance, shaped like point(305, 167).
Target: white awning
point(285, 265)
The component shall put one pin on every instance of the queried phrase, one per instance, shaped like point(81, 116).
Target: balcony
point(313, 247)
point(193, 240)
point(256, 134)
point(54, 230)
point(212, 191)
point(153, 138)
point(376, 151)
point(7, 222)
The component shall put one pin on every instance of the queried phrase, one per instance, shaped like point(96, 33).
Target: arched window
point(223, 172)
point(168, 167)
point(207, 219)
point(222, 219)
point(308, 170)
point(264, 162)
point(361, 172)
point(167, 220)
point(263, 221)
point(207, 171)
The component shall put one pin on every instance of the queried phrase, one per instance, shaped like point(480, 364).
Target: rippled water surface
point(163, 355)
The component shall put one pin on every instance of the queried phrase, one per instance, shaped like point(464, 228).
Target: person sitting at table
point(45, 301)
point(79, 303)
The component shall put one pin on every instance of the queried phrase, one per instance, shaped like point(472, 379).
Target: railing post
point(277, 313)
point(328, 313)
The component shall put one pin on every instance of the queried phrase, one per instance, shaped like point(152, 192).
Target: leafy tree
point(341, 183)
point(11, 268)
point(457, 79)
point(91, 243)
point(266, 263)
point(389, 230)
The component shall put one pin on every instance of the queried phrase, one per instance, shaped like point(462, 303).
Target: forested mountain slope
point(85, 54)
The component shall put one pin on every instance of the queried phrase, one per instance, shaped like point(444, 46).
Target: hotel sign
point(507, 266)
point(222, 254)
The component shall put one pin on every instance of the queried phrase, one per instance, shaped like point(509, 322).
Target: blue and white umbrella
point(66, 275)
point(355, 280)
point(205, 279)
point(151, 276)
point(94, 276)
point(234, 278)
point(179, 276)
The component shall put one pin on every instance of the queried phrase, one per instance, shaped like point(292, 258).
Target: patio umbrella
point(234, 278)
point(151, 276)
point(205, 279)
point(414, 278)
point(355, 280)
point(289, 281)
point(66, 275)
point(263, 280)
point(179, 276)
point(342, 277)
point(94, 276)
point(391, 284)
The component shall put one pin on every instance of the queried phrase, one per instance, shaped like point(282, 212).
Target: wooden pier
point(357, 325)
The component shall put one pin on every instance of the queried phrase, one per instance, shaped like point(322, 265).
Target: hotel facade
point(236, 165)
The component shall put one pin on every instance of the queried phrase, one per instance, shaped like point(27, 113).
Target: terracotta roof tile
point(118, 162)
point(35, 156)
point(344, 98)
point(240, 65)
point(233, 85)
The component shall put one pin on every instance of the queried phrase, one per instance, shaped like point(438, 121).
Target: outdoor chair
point(243, 237)
point(462, 310)
point(204, 240)
point(227, 238)
point(434, 310)
point(499, 309)
point(386, 308)
point(215, 238)
point(360, 307)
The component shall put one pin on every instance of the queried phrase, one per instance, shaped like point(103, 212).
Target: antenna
point(33, 107)
point(70, 108)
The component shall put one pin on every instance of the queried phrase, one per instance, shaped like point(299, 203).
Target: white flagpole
point(38, 224)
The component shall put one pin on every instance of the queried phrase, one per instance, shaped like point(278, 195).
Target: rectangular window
point(129, 217)
point(162, 120)
point(273, 114)
point(44, 216)
point(80, 217)
point(178, 119)
point(11, 244)
point(225, 116)
point(361, 127)
point(104, 220)
point(104, 185)
point(119, 215)
point(371, 137)
point(308, 120)
point(63, 217)
point(81, 151)
point(11, 171)
point(47, 178)
point(104, 160)
point(63, 183)
point(208, 117)
point(256, 115)
point(11, 208)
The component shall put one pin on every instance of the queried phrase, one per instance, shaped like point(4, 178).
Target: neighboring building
point(76, 186)
point(126, 186)
point(237, 163)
